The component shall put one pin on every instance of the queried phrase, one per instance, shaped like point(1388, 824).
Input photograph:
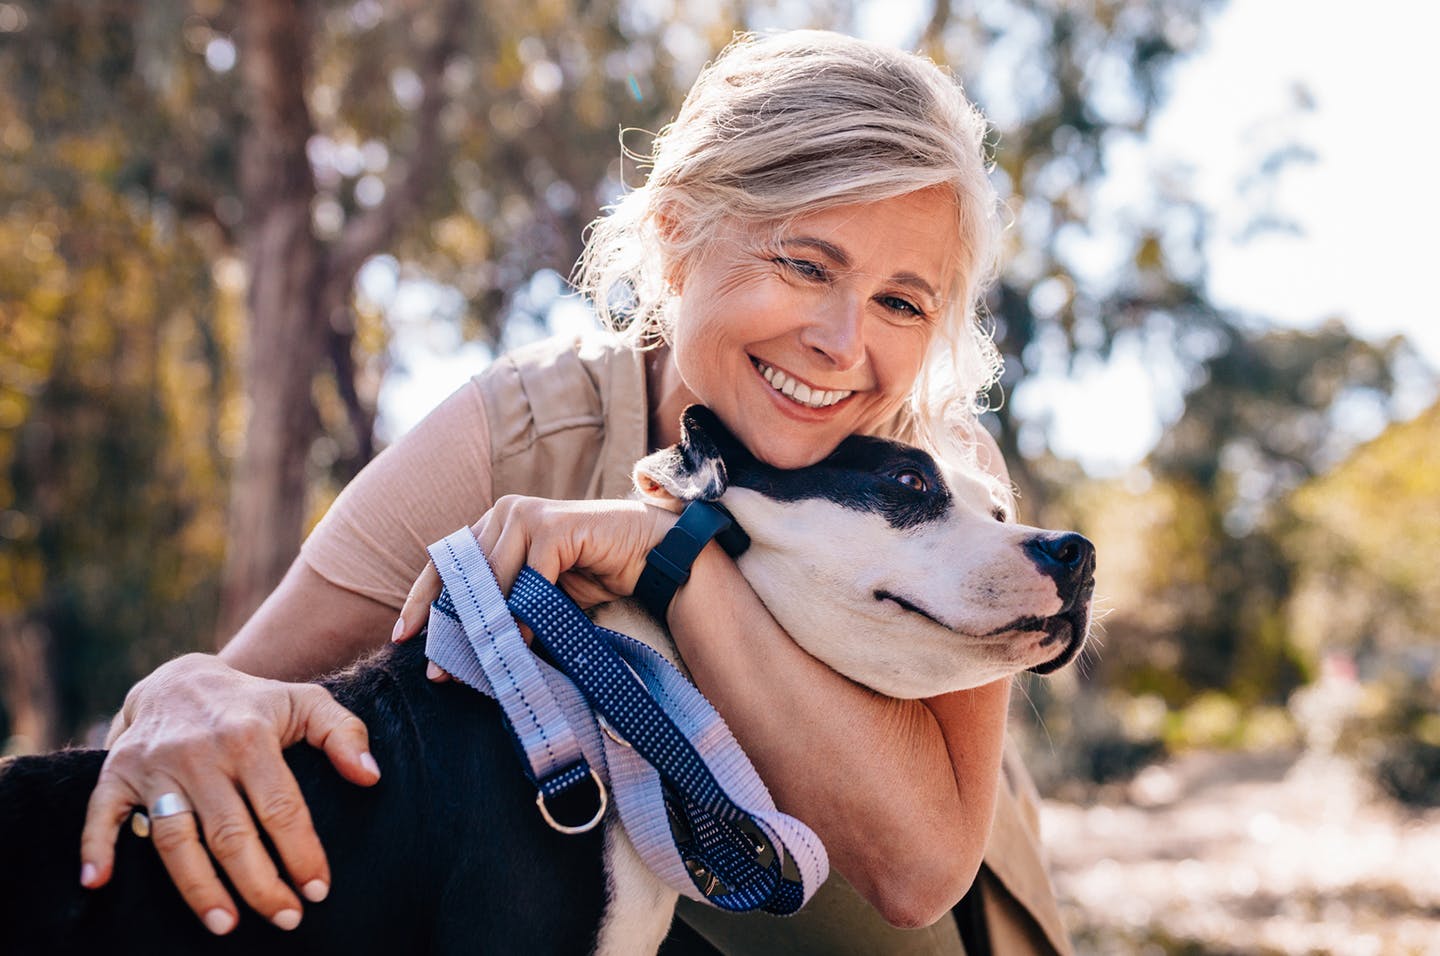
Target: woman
point(805, 259)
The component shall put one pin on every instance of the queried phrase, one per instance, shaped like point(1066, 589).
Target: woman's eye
point(912, 480)
point(810, 270)
point(902, 306)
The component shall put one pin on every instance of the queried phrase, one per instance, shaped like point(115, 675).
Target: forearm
point(308, 627)
point(904, 812)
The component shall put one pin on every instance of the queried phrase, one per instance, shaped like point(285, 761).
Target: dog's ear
point(693, 470)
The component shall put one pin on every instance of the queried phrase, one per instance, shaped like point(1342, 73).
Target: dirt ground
point(1224, 853)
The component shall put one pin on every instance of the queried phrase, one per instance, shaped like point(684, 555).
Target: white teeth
point(799, 392)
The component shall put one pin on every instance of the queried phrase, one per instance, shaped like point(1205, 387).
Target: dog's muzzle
point(1069, 560)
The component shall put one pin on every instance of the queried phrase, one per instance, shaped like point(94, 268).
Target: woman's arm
point(902, 792)
point(338, 626)
point(212, 728)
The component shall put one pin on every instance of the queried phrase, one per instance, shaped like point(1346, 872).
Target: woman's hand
point(214, 735)
point(595, 550)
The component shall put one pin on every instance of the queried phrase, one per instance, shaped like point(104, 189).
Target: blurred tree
point(113, 387)
point(132, 143)
point(1070, 88)
point(300, 281)
point(1203, 565)
point(284, 143)
point(1363, 539)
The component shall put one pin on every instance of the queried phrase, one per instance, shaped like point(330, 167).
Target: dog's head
point(900, 574)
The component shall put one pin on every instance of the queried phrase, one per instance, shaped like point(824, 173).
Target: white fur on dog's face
point(899, 574)
point(818, 567)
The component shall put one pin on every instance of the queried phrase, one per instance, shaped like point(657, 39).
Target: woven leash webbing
point(483, 648)
point(732, 842)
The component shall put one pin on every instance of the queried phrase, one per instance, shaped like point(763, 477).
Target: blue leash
point(692, 803)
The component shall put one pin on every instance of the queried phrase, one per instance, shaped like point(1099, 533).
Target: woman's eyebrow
point(824, 245)
point(841, 259)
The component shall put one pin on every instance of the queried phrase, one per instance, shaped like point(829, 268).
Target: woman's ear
point(668, 227)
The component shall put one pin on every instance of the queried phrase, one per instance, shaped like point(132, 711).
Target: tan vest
point(568, 419)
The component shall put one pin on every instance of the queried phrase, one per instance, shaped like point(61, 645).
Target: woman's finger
point(417, 604)
point(177, 841)
point(118, 723)
point(234, 842)
point(584, 590)
point(279, 807)
point(111, 803)
point(510, 551)
point(328, 726)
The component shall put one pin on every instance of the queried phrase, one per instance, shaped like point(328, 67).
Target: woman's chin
point(778, 449)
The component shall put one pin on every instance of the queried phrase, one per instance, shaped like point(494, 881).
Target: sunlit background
point(1220, 340)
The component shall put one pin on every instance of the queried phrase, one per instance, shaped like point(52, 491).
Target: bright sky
point(1366, 207)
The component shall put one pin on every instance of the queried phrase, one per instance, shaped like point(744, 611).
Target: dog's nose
point(1069, 558)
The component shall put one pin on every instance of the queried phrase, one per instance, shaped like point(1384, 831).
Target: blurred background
point(242, 246)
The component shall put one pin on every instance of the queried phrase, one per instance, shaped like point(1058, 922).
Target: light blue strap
point(473, 637)
point(484, 649)
point(738, 841)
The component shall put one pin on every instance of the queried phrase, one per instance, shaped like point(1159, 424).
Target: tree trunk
point(299, 288)
point(27, 686)
point(286, 329)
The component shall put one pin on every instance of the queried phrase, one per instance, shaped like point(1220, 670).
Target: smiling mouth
point(797, 391)
point(1066, 629)
point(910, 606)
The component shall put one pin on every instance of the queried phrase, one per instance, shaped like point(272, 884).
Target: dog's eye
point(999, 515)
point(912, 479)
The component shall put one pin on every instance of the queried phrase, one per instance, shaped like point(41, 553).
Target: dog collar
point(667, 566)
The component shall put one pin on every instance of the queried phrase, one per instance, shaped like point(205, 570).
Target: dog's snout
point(1068, 558)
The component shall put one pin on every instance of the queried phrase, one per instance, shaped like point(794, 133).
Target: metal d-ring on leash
point(693, 805)
point(487, 652)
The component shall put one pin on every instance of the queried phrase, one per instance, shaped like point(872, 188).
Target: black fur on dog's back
point(445, 854)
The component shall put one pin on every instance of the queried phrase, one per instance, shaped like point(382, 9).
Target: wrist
point(668, 564)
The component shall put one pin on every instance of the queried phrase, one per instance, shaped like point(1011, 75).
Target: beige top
point(558, 419)
point(568, 419)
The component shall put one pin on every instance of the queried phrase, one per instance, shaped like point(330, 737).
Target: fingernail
point(88, 872)
point(317, 890)
point(432, 670)
point(286, 919)
point(399, 629)
point(368, 762)
point(219, 921)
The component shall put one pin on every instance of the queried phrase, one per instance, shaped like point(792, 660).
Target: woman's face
point(800, 340)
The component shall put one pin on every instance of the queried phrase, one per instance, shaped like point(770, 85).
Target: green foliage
point(112, 379)
point(1363, 538)
point(115, 372)
point(1236, 556)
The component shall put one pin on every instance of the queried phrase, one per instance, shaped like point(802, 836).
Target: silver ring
point(168, 805)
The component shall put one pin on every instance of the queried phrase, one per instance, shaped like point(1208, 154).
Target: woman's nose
point(837, 331)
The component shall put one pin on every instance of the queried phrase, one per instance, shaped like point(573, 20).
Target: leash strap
point(693, 805)
point(487, 652)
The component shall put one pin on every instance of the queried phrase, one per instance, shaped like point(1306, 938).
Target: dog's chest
point(629, 618)
point(638, 907)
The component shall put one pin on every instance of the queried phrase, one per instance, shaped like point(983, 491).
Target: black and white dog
point(910, 581)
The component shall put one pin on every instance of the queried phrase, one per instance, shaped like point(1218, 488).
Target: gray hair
point(784, 124)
